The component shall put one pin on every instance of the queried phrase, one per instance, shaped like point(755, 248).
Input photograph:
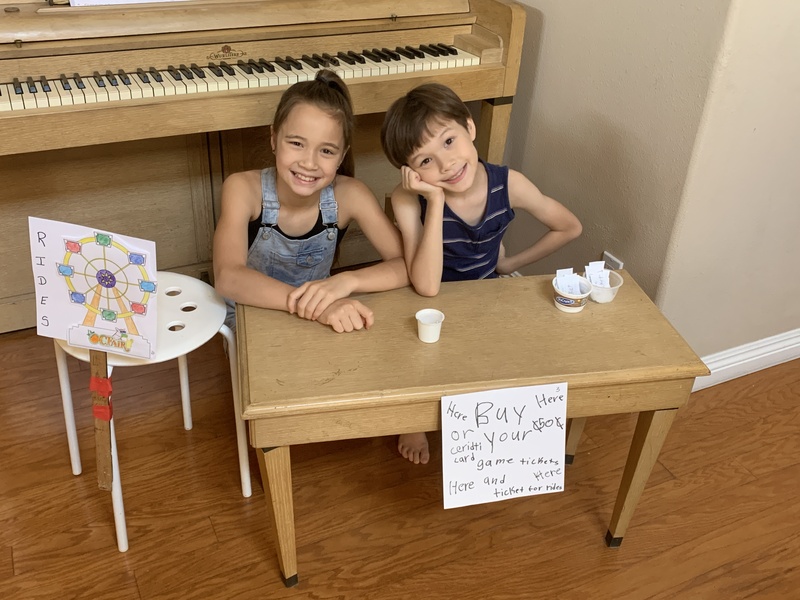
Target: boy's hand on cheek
point(347, 315)
point(312, 298)
point(412, 182)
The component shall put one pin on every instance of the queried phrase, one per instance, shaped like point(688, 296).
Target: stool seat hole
point(173, 291)
point(176, 326)
point(188, 307)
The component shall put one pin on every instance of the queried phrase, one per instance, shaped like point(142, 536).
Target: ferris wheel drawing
point(110, 281)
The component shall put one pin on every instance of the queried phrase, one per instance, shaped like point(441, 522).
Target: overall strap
point(328, 207)
point(269, 198)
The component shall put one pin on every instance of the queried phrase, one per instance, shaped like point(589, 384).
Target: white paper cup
point(429, 324)
point(602, 295)
point(572, 303)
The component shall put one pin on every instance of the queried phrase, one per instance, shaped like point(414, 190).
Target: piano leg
point(491, 139)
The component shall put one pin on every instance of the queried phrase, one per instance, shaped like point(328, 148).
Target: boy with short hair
point(452, 208)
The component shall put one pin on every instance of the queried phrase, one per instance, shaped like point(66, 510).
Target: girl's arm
point(563, 225)
point(241, 203)
point(422, 244)
point(356, 203)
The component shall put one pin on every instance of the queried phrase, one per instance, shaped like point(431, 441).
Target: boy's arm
point(564, 226)
point(422, 245)
point(232, 278)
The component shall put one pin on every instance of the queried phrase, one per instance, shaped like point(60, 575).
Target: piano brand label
point(226, 52)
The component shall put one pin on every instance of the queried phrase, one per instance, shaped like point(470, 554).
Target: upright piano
point(128, 118)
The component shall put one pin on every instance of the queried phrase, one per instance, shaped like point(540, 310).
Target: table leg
point(651, 431)
point(276, 475)
point(574, 431)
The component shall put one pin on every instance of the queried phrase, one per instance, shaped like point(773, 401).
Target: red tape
point(102, 412)
point(101, 385)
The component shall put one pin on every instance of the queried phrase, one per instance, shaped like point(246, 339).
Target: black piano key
point(65, 82)
point(78, 81)
point(44, 83)
point(245, 67)
point(253, 66)
point(227, 68)
point(310, 61)
point(31, 85)
point(266, 64)
point(112, 79)
point(347, 59)
point(99, 79)
point(332, 60)
point(17, 87)
point(356, 57)
point(382, 55)
point(215, 69)
point(124, 77)
point(294, 62)
point(142, 75)
point(404, 52)
point(416, 52)
point(174, 72)
point(282, 64)
point(321, 60)
point(185, 71)
point(392, 54)
point(156, 75)
point(449, 49)
point(428, 50)
point(198, 71)
point(370, 55)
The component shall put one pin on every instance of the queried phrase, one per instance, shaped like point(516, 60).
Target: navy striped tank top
point(471, 251)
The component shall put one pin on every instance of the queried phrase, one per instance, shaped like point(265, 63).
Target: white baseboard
point(749, 358)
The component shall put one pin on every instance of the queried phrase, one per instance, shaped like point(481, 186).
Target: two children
point(276, 237)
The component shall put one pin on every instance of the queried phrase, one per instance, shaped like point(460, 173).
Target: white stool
point(190, 312)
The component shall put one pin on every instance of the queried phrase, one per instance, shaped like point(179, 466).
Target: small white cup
point(601, 295)
point(429, 324)
point(572, 303)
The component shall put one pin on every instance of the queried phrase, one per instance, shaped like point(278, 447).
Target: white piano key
point(123, 90)
point(371, 68)
point(28, 98)
point(5, 98)
point(287, 77)
point(246, 80)
point(200, 83)
point(134, 88)
point(178, 87)
point(16, 100)
point(112, 90)
point(470, 60)
point(215, 82)
point(265, 79)
point(100, 93)
point(151, 88)
point(53, 97)
point(64, 94)
point(412, 66)
point(305, 73)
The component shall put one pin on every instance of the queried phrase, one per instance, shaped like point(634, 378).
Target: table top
point(497, 333)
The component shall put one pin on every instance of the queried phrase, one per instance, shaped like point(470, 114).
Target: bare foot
point(414, 447)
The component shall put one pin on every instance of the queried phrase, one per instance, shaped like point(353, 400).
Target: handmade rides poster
point(94, 288)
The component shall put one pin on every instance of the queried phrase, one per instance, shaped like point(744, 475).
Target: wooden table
point(302, 382)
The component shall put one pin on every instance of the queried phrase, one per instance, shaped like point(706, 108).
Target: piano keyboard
point(148, 82)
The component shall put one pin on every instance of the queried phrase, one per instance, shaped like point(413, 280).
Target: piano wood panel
point(155, 189)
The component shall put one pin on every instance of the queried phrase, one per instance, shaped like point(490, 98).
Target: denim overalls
point(291, 261)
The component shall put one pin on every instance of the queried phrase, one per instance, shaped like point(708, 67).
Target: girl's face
point(448, 158)
point(308, 150)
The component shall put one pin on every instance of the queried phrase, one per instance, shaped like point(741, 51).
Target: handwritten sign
point(502, 444)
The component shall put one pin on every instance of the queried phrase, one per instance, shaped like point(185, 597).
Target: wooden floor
point(720, 517)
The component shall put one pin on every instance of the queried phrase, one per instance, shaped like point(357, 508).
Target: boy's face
point(448, 158)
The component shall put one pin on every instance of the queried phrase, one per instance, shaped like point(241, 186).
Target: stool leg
point(241, 434)
point(183, 371)
point(69, 413)
point(116, 494)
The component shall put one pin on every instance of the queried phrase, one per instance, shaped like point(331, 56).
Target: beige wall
point(673, 131)
point(604, 120)
point(731, 272)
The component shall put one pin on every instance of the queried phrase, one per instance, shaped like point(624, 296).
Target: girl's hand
point(412, 182)
point(347, 315)
point(504, 264)
point(311, 299)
